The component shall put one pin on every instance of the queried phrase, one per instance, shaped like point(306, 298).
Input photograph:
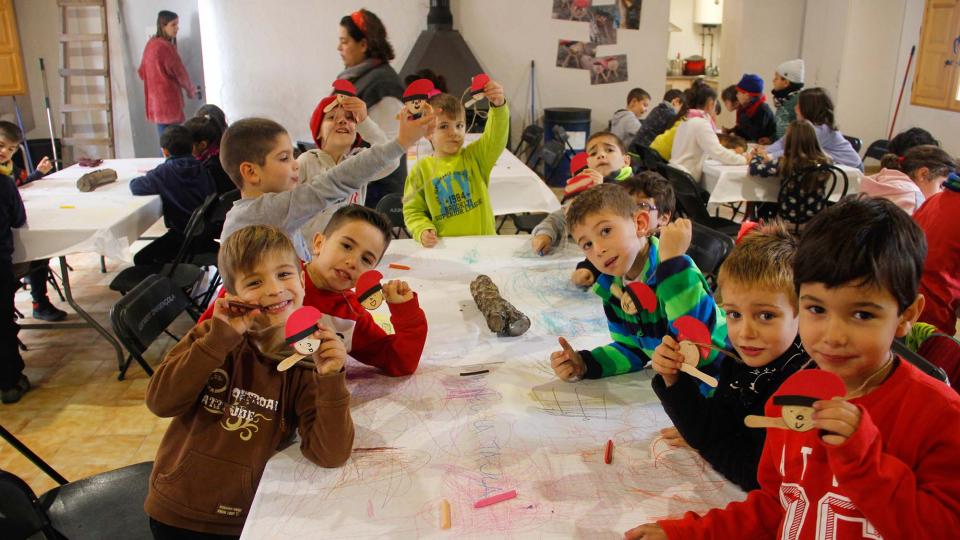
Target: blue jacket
point(182, 183)
point(832, 143)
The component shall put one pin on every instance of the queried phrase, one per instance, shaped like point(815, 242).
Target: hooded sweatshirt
point(894, 186)
point(232, 410)
point(625, 125)
point(182, 183)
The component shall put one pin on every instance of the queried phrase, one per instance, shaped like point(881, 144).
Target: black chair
point(529, 143)
point(877, 149)
point(646, 159)
point(391, 205)
point(796, 205)
point(303, 146)
point(526, 222)
point(921, 363)
point(708, 249)
point(551, 155)
point(206, 257)
point(143, 314)
point(692, 202)
point(854, 142)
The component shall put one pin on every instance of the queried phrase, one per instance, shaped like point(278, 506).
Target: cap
point(301, 324)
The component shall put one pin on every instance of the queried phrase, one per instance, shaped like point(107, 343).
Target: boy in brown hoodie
point(231, 408)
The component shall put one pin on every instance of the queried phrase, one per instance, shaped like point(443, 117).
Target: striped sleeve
point(625, 354)
point(682, 290)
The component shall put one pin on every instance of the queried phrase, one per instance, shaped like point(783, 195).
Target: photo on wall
point(572, 10)
point(629, 14)
point(576, 54)
point(609, 69)
point(603, 24)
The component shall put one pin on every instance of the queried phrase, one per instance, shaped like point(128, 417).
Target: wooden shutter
point(13, 82)
point(936, 78)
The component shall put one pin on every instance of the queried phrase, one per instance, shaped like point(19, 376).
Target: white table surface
point(514, 187)
point(62, 220)
point(733, 183)
point(438, 435)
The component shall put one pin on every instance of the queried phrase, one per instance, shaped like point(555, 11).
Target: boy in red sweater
point(881, 462)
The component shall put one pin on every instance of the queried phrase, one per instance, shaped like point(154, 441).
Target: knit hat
point(809, 385)
point(750, 83)
point(792, 70)
point(301, 324)
point(418, 89)
point(368, 284)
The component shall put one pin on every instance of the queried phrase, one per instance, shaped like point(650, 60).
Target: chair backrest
point(796, 205)
point(855, 142)
point(141, 315)
point(551, 154)
point(646, 159)
point(21, 515)
point(391, 205)
point(690, 198)
point(200, 225)
point(529, 143)
point(708, 249)
point(924, 365)
point(560, 134)
point(877, 149)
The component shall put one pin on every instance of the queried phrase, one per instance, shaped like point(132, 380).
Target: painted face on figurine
point(414, 107)
point(369, 290)
point(307, 346)
point(690, 353)
point(797, 417)
point(373, 301)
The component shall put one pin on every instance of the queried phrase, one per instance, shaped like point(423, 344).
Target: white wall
point(687, 41)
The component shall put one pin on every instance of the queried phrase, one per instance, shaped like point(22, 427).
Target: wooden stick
point(731, 354)
point(754, 421)
point(694, 372)
point(445, 514)
point(289, 361)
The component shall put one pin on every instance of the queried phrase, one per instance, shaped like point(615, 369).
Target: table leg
point(68, 292)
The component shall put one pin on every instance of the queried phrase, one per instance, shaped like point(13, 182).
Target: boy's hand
point(541, 244)
point(582, 277)
point(675, 238)
point(494, 93)
point(567, 363)
point(354, 106)
point(428, 238)
point(649, 531)
point(239, 319)
point(411, 130)
point(838, 417)
point(45, 165)
point(397, 292)
point(332, 354)
point(672, 437)
point(667, 359)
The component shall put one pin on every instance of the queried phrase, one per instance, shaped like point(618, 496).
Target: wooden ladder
point(86, 109)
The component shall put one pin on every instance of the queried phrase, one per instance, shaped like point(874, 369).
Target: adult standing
point(163, 74)
point(366, 54)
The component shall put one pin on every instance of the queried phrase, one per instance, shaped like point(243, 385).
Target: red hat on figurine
point(301, 324)
point(344, 87)
point(746, 228)
point(368, 284)
point(418, 89)
point(478, 83)
point(809, 385)
point(692, 329)
point(642, 296)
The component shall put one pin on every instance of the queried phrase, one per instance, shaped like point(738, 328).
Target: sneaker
point(14, 394)
point(45, 311)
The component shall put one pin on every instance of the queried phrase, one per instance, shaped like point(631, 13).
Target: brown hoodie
point(231, 411)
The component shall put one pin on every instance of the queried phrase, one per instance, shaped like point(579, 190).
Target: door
point(13, 82)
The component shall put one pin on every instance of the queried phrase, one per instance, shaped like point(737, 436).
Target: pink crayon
point(507, 495)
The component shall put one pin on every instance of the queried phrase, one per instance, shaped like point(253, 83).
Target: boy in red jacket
point(880, 462)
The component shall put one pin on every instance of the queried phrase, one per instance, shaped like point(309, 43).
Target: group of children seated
point(878, 461)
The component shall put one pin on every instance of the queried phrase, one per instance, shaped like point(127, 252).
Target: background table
point(514, 187)
point(440, 435)
point(733, 183)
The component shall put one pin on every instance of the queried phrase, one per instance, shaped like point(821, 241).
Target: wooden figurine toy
point(694, 340)
point(415, 97)
point(639, 295)
point(369, 290)
point(796, 397)
point(578, 181)
point(299, 330)
point(341, 87)
point(477, 85)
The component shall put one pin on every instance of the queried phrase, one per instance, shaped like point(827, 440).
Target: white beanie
point(792, 70)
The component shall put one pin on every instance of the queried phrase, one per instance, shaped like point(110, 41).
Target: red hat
point(344, 87)
point(301, 324)
point(578, 163)
point(809, 385)
point(693, 329)
point(746, 228)
point(368, 284)
point(418, 89)
point(577, 185)
point(478, 83)
point(643, 296)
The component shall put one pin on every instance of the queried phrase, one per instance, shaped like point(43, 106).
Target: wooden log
point(501, 316)
point(92, 180)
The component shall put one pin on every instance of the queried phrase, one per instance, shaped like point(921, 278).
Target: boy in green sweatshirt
point(446, 194)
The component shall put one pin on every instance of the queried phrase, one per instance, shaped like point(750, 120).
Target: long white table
point(514, 187)
point(440, 435)
point(733, 183)
point(61, 221)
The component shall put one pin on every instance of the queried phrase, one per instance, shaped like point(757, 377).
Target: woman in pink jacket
point(163, 74)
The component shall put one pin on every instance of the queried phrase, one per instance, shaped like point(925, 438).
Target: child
point(37, 272)
point(905, 140)
point(13, 383)
point(653, 194)
point(815, 105)
point(612, 232)
point(183, 184)
point(880, 462)
point(696, 137)
point(353, 242)
point(606, 160)
point(939, 218)
point(660, 118)
point(230, 406)
point(755, 120)
point(757, 294)
point(729, 98)
point(340, 133)
point(912, 178)
point(787, 83)
point(626, 122)
point(258, 156)
point(733, 142)
point(206, 133)
point(446, 194)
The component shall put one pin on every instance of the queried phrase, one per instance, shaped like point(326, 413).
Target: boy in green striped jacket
point(612, 232)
